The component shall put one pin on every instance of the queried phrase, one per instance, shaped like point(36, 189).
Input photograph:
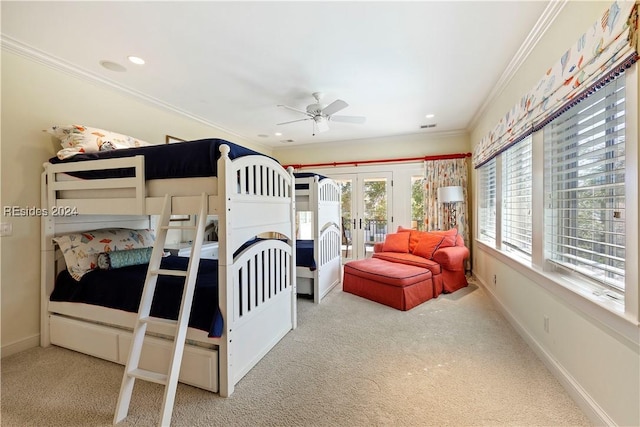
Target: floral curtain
point(445, 173)
point(604, 50)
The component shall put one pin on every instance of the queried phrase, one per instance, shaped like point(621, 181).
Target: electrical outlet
point(546, 324)
point(495, 279)
point(6, 229)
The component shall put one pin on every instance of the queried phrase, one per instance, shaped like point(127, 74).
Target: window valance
point(604, 50)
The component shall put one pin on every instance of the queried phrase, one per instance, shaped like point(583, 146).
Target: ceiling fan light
point(322, 114)
point(321, 123)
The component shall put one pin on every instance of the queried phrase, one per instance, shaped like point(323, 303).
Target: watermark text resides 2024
point(31, 211)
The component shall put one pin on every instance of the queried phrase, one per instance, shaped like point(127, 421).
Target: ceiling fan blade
point(294, 109)
point(334, 107)
point(322, 124)
point(348, 119)
point(293, 121)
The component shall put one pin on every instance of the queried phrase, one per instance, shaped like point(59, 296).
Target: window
point(585, 187)
point(516, 196)
point(417, 202)
point(487, 202)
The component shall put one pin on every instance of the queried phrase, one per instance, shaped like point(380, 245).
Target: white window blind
point(516, 191)
point(487, 202)
point(584, 187)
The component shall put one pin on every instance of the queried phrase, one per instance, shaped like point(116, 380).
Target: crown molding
point(547, 18)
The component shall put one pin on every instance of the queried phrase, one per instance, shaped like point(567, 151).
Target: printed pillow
point(81, 250)
point(118, 259)
point(77, 139)
point(396, 242)
point(428, 244)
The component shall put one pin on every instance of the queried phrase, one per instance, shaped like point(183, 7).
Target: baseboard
point(22, 345)
point(585, 402)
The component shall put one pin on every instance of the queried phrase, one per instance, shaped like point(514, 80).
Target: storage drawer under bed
point(199, 366)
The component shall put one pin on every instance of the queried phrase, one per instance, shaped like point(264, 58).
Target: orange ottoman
point(397, 285)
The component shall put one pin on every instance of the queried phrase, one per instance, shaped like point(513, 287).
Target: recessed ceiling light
point(430, 116)
point(278, 134)
point(112, 66)
point(136, 60)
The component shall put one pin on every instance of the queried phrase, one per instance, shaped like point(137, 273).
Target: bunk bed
point(250, 194)
point(319, 258)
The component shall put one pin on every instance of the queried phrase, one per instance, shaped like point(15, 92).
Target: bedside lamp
point(449, 197)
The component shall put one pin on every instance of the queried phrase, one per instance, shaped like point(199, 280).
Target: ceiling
point(230, 64)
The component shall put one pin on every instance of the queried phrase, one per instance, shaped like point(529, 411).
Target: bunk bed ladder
point(132, 370)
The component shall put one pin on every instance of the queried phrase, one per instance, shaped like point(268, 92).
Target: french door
point(366, 211)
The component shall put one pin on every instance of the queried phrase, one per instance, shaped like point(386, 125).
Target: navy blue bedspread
point(304, 251)
point(121, 288)
point(304, 254)
point(181, 160)
point(300, 186)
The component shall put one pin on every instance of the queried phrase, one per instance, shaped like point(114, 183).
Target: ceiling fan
point(321, 114)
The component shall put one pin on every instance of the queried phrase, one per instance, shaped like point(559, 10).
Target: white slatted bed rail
point(257, 288)
point(323, 198)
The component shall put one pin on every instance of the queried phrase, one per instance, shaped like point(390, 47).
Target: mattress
point(305, 185)
point(304, 254)
point(184, 160)
point(209, 250)
point(122, 289)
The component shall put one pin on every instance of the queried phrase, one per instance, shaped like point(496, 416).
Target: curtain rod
point(363, 162)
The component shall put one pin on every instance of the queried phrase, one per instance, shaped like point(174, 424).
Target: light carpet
point(452, 361)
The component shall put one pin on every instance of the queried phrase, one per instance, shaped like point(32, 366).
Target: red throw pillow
point(449, 237)
point(428, 244)
point(414, 236)
point(396, 242)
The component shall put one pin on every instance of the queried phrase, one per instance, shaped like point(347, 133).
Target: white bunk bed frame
point(253, 195)
point(322, 197)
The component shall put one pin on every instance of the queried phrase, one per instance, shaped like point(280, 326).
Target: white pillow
point(77, 139)
point(81, 250)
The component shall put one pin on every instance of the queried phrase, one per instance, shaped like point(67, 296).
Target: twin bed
point(319, 258)
point(235, 321)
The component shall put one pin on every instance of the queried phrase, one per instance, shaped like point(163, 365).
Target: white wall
point(401, 146)
point(594, 353)
point(34, 97)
